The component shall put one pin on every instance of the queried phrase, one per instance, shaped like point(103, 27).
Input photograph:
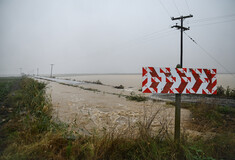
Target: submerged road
point(68, 82)
point(194, 98)
point(162, 97)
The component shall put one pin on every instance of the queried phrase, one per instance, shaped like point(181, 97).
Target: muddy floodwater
point(134, 80)
point(90, 106)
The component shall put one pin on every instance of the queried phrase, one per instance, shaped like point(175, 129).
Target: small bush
point(228, 92)
point(90, 89)
point(94, 82)
point(6, 85)
point(119, 87)
point(221, 146)
point(220, 91)
point(98, 82)
point(135, 97)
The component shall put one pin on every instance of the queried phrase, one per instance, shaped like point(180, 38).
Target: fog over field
point(108, 36)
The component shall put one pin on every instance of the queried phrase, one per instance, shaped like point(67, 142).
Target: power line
point(176, 7)
point(145, 40)
point(160, 36)
point(165, 9)
point(210, 55)
point(156, 32)
point(145, 36)
point(188, 6)
point(198, 25)
point(212, 18)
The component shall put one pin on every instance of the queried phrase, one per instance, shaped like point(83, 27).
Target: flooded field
point(135, 80)
point(96, 103)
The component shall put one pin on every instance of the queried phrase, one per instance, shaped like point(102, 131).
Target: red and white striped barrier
point(179, 80)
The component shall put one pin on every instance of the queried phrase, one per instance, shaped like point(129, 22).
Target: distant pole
point(178, 96)
point(20, 71)
point(51, 69)
point(37, 71)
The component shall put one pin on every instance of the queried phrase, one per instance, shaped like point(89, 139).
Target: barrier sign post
point(178, 81)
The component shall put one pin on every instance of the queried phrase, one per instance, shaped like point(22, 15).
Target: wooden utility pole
point(178, 96)
point(51, 69)
point(37, 71)
point(20, 71)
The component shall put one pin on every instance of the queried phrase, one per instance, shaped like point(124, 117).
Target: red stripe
point(182, 87)
point(155, 90)
point(154, 84)
point(180, 73)
point(167, 80)
point(213, 75)
point(214, 83)
point(189, 78)
point(168, 69)
point(153, 73)
point(197, 85)
point(143, 72)
point(215, 92)
point(208, 73)
point(210, 86)
point(203, 92)
point(182, 80)
point(152, 80)
point(147, 91)
point(167, 74)
point(200, 70)
point(167, 87)
point(160, 78)
point(187, 91)
point(144, 82)
point(196, 76)
point(214, 70)
point(151, 68)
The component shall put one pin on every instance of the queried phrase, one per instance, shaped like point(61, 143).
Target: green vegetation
point(5, 86)
point(219, 120)
point(119, 87)
point(136, 97)
point(30, 133)
point(22, 135)
point(211, 116)
point(95, 82)
point(89, 89)
point(98, 82)
point(228, 92)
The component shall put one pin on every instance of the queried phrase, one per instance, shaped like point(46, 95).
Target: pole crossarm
point(181, 17)
point(179, 27)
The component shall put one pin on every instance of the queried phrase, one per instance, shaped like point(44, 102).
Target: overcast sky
point(114, 36)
